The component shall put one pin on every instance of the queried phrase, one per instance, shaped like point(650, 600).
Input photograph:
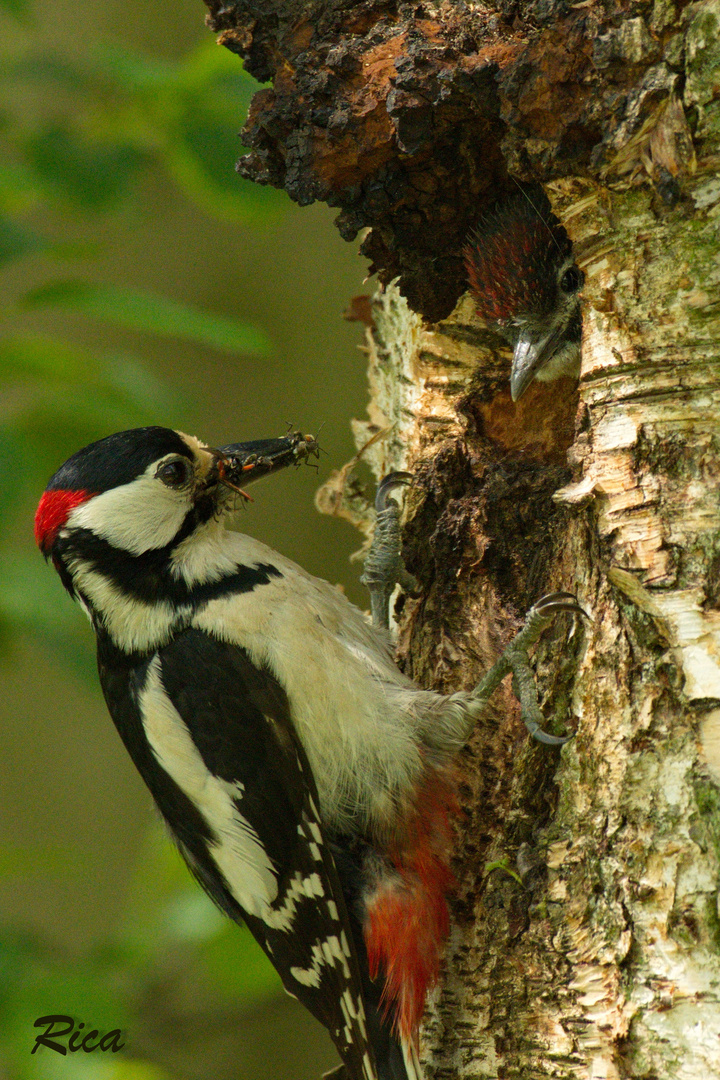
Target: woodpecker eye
point(572, 280)
point(176, 473)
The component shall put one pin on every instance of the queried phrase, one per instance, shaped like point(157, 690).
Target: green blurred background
point(142, 282)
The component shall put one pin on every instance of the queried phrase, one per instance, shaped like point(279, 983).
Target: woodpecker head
point(139, 494)
point(525, 282)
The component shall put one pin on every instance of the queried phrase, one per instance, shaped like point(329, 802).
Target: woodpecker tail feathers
point(407, 918)
point(412, 1061)
point(403, 1066)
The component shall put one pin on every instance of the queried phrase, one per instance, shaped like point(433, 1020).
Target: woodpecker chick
point(307, 782)
point(526, 284)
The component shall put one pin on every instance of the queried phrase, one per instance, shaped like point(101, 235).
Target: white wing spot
point(281, 918)
point(324, 954)
point(315, 830)
point(348, 1008)
point(306, 976)
point(313, 886)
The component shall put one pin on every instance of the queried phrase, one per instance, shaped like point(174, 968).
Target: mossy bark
point(586, 933)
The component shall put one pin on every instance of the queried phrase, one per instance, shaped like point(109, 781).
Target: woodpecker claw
point(515, 659)
point(386, 485)
point(384, 566)
point(558, 601)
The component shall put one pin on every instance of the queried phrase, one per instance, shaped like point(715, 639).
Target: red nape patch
point(53, 512)
point(407, 916)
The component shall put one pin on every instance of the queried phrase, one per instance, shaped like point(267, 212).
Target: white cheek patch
point(132, 624)
point(135, 517)
point(236, 850)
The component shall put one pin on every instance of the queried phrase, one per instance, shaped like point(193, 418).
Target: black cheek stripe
point(148, 577)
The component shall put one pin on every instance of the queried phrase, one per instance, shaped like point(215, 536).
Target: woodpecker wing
point(212, 736)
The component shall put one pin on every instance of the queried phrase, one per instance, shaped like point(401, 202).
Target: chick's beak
point(532, 351)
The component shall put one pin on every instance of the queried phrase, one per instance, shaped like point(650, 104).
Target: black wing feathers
point(239, 719)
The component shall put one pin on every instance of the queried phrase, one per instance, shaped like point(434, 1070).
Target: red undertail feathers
point(407, 913)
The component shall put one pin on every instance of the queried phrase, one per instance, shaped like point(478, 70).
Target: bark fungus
point(586, 932)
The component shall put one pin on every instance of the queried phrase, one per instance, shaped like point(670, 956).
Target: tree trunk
point(586, 929)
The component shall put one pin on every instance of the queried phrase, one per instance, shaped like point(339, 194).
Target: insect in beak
point(223, 466)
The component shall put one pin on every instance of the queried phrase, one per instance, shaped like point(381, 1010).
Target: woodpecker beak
point(532, 353)
point(239, 463)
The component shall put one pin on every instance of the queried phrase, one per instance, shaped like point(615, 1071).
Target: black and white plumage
point(525, 282)
point(304, 778)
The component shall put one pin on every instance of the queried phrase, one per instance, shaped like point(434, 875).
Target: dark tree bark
point(586, 927)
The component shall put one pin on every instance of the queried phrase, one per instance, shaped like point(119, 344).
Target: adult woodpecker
point(526, 284)
point(306, 781)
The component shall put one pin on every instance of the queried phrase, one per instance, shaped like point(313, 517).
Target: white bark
point(605, 962)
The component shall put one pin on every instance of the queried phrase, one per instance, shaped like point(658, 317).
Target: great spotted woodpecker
point(306, 781)
point(526, 284)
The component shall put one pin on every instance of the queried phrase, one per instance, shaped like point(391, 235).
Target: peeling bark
point(602, 961)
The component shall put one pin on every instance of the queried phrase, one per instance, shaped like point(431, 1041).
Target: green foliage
point(78, 139)
point(87, 172)
point(120, 113)
point(15, 7)
point(132, 981)
point(16, 241)
point(151, 314)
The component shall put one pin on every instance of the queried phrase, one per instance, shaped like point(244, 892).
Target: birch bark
point(586, 929)
point(595, 953)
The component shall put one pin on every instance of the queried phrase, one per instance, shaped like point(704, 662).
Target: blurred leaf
point(17, 8)
point(30, 599)
point(213, 97)
point(54, 360)
point(39, 984)
point(47, 68)
point(133, 70)
point(191, 114)
point(44, 358)
point(20, 188)
point(16, 241)
point(88, 173)
point(42, 862)
point(201, 158)
point(154, 314)
point(131, 108)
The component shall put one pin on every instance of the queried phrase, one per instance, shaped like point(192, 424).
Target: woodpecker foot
point(384, 566)
point(515, 659)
